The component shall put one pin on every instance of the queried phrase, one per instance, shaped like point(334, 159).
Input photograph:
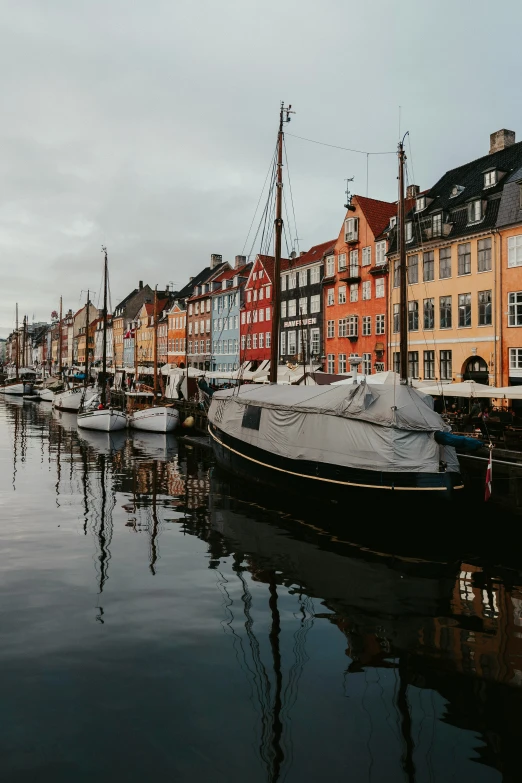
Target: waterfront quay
point(161, 620)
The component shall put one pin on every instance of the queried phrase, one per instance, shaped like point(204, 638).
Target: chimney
point(191, 279)
point(141, 285)
point(500, 140)
point(215, 260)
point(166, 289)
point(240, 261)
point(302, 253)
point(412, 191)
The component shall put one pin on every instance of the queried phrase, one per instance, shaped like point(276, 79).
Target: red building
point(256, 313)
point(355, 288)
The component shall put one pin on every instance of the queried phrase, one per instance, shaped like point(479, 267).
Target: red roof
point(316, 253)
point(377, 213)
point(229, 274)
point(160, 304)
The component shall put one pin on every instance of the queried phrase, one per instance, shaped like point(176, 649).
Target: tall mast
point(403, 306)
point(104, 350)
point(278, 224)
point(60, 343)
point(17, 342)
point(24, 341)
point(135, 350)
point(87, 340)
point(155, 342)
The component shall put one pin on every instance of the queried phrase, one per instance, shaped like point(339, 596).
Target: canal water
point(159, 621)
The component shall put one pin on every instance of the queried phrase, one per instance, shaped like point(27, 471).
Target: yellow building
point(453, 260)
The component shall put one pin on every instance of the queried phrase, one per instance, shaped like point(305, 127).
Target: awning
point(464, 389)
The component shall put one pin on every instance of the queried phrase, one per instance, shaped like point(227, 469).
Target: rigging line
point(337, 147)
point(260, 197)
point(291, 194)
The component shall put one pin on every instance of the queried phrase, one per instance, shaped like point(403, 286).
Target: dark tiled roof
point(200, 278)
point(316, 253)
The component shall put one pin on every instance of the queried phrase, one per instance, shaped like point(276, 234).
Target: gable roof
point(202, 277)
point(377, 213)
point(316, 253)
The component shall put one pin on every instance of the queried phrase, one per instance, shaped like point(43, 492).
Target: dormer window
point(475, 211)
point(393, 222)
point(420, 204)
point(456, 190)
point(490, 178)
point(436, 224)
point(223, 285)
point(408, 228)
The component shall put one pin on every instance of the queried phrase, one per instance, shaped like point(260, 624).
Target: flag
point(489, 476)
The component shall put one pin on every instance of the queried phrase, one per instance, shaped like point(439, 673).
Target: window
point(367, 363)
point(243, 341)
point(444, 262)
point(366, 256)
point(190, 309)
point(475, 211)
point(353, 326)
point(413, 269)
point(249, 296)
point(331, 363)
point(341, 294)
point(445, 312)
point(341, 262)
point(330, 266)
point(251, 417)
point(367, 289)
point(515, 308)
point(351, 229)
point(446, 371)
point(413, 364)
point(249, 316)
point(380, 324)
point(314, 341)
point(484, 308)
point(515, 358)
point(303, 277)
point(292, 280)
point(189, 346)
point(292, 305)
point(413, 316)
point(249, 341)
point(429, 313)
point(292, 345)
point(261, 315)
point(354, 292)
point(254, 316)
point(490, 179)
point(396, 361)
point(342, 327)
point(283, 343)
point(315, 303)
point(342, 362)
point(484, 255)
point(408, 228)
point(330, 331)
point(354, 263)
point(464, 259)
point(267, 339)
point(331, 296)
point(255, 295)
point(379, 288)
point(283, 309)
point(396, 273)
point(366, 325)
point(429, 365)
point(380, 253)
point(207, 325)
point(261, 293)
point(420, 203)
point(303, 305)
point(464, 309)
point(515, 250)
point(243, 317)
point(283, 282)
point(396, 318)
point(428, 266)
point(436, 224)
point(267, 313)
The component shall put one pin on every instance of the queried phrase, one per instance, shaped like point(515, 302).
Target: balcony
point(351, 274)
point(381, 269)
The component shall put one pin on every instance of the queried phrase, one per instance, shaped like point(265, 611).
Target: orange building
point(355, 288)
point(176, 335)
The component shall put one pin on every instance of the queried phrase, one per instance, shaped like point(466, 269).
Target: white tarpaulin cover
point(464, 389)
point(386, 427)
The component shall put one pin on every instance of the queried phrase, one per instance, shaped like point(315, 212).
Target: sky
point(149, 126)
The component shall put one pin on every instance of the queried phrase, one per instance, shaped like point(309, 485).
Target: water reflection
point(316, 659)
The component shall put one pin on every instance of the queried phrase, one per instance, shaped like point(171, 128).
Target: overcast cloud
point(149, 126)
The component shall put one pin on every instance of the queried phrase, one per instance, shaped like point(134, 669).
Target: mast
point(135, 350)
point(87, 340)
point(104, 350)
point(155, 343)
point(403, 306)
point(278, 224)
point(24, 332)
point(60, 343)
point(17, 342)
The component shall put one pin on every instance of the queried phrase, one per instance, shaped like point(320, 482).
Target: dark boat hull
point(323, 479)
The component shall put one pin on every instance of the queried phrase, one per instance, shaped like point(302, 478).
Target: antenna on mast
point(349, 196)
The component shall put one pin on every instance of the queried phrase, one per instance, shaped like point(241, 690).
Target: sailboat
point(330, 439)
point(72, 398)
point(143, 415)
point(22, 381)
point(98, 414)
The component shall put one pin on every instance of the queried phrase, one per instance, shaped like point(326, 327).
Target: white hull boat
point(160, 419)
point(46, 395)
point(71, 399)
point(16, 389)
point(104, 420)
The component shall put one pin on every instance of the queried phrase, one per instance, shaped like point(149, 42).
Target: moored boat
point(102, 419)
point(156, 419)
point(71, 399)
